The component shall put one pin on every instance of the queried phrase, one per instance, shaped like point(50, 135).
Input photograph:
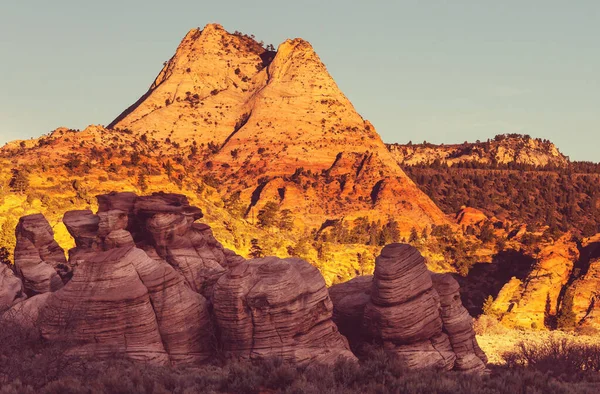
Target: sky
point(437, 71)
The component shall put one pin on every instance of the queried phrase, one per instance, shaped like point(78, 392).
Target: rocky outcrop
point(585, 293)
point(468, 216)
point(273, 307)
point(458, 324)
point(535, 300)
point(39, 260)
point(503, 149)
point(120, 301)
point(11, 288)
point(401, 309)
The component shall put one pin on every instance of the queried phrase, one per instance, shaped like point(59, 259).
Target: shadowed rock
point(399, 309)
point(273, 307)
point(39, 261)
point(11, 288)
point(458, 324)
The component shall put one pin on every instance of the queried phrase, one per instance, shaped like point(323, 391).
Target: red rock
point(39, 260)
point(273, 307)
point(11, 288)
point(458, 324)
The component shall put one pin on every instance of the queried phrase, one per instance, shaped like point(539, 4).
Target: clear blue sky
point(441, 71)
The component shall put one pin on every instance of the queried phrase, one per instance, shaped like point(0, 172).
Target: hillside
point(505, 150)
point(512, 178)
point(263, 140)
point(274, 126)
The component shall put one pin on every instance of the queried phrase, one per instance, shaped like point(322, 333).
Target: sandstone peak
point(261, 116)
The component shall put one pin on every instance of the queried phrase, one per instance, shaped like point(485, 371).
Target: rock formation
point(401, 308)
point(39, 260)
point(530, 303)
point(273, 307)
point(122, 299)
point(585, 293)
point(458, 324)
point(11, 288)
point(504, 149)
point(468, 216)
point(142, 286)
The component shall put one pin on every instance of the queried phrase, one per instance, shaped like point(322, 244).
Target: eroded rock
point(39, 261)
point(273, 307)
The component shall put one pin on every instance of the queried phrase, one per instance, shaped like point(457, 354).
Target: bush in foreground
point(28, 366)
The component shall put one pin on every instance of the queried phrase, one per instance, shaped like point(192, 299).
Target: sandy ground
point(494, 345)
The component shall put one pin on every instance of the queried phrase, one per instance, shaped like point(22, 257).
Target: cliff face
point(503, 149)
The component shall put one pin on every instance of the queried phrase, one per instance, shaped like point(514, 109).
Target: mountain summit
point(273, 125)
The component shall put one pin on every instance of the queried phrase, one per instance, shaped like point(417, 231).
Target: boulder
point(39, 261)
point(11, 288)
point(120, 301)
point(273, 307)
point(458, 324)
point(409, 311)
point(403, 312)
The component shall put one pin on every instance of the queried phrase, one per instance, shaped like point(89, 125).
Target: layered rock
point(458, 324)
point(39, 260)
point(402, 308)
point(120, 301)
point(11, 288)
point(273, 307)
point(403, 311)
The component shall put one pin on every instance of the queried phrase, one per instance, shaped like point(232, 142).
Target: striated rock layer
point(144, 277)
point(39, 261)
point(458, 324)
point(409, 311)
point(273, 307)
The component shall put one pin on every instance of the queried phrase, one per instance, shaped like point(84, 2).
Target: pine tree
point(566, 318)
point(286, 220)
point(488, 305)
point(414, 236)
point(19, 183)
point(268, 215)
point(255, 250)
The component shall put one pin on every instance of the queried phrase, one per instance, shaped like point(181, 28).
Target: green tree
point(488, 305)
point(4, 256)
point(286, 220)
point(268, 215)
point(19, 182)
point(566, 318)
point(256, 250)
point(414, 235)
point(142, 184)
point(7, 235)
